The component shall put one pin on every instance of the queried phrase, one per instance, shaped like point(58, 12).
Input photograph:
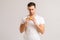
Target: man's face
point(31, 10)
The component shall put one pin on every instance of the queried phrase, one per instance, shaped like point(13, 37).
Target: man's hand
point(34, 20)
point(27, 20)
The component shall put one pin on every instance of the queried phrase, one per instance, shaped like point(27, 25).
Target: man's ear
point(28, 8)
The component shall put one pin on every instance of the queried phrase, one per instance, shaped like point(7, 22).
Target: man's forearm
point(39, 28)
point(23, 27)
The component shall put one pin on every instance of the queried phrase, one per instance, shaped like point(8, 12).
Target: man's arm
point(40, 28)
point(23, 27)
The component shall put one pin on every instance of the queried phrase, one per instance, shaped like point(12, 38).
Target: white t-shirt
point(31, 32)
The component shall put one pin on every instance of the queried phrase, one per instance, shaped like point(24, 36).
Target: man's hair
point(31, 4)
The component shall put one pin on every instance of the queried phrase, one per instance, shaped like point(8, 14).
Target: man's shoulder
point(24, 17)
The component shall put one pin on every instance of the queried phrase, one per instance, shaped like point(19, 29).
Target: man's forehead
point(31, 7)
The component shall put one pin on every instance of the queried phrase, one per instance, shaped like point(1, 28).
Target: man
point(32, 24)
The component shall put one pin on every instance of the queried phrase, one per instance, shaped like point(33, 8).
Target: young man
point(32, 24)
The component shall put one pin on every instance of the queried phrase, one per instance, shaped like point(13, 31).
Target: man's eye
point(29, 9)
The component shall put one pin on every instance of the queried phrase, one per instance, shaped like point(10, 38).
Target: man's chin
point(32, 14)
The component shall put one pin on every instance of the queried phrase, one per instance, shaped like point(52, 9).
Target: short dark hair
point(31, 4)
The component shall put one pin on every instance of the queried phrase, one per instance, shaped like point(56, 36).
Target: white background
point(11, 12)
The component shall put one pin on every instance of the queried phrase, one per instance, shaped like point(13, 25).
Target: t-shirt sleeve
point(42, 21)
point(22, 21)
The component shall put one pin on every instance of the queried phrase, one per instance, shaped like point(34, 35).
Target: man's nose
point(30, 10)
